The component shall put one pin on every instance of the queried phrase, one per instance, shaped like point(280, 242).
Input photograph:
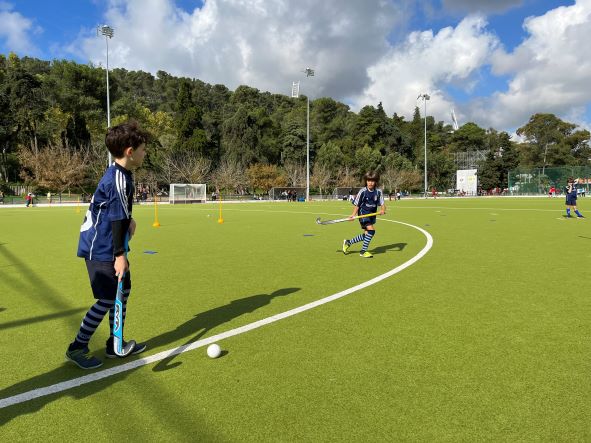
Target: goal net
point(187, 193)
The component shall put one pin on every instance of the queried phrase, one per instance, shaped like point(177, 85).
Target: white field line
point(395, 208)
point(477, 209)
point(69, 384)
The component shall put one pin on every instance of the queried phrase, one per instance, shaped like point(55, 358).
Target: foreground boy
point(102, 239)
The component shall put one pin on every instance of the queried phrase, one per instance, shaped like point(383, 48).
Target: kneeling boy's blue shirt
point(112, 201)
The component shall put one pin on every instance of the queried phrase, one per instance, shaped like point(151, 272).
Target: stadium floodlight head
point(295, 90)
point(105, 30)
point(309, 72)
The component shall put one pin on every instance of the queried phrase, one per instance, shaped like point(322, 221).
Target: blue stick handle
point(118, 317)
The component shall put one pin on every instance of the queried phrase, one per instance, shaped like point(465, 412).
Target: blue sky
point(496, 62)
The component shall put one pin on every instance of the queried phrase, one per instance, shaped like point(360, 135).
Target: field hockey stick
point(339, 220)
point(120, 350)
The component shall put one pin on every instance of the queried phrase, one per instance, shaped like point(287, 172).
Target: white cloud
point(260, 43)
point(15, 30)
point(550, 70)
point(266, 44)
point(427, 62)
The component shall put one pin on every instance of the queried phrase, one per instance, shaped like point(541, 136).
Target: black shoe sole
point(83, 367)
point(137, 350)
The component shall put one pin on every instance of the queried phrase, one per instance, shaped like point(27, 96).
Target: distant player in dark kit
point(571, 197)
point(107, 225)
point(366, 202)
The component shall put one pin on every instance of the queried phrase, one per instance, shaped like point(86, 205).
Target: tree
point(190, 133)
point(328, 120)
point(240, 137)
point(27, 101)
point(264, 177)
point(190, 166)
point(330, 156)
point(347, 177)
point(54, 168)
point(470, 137)
point(229, 175)
point(295, 173)
point(551, 141)
point(393, 175)
point(293, 139)
point(501, 159)
point(440, 170)
point(489, 174)
point(367, 159)
point(7, 138)
point(410, 180)
point(321, 177)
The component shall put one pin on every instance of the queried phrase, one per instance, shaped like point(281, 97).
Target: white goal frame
point(185, 193)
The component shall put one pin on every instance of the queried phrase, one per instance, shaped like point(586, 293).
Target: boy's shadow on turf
point(206, 321)
point(385, 248)
point(198, 325)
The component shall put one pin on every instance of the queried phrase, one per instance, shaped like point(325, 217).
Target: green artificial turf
point(488, 337)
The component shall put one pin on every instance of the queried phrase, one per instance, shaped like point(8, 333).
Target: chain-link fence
point(537, 181)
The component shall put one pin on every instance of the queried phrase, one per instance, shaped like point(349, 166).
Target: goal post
point(184, 193)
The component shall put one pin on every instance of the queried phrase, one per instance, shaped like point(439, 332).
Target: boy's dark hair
point(123, 136)
point(570, 180)
point(373, 176)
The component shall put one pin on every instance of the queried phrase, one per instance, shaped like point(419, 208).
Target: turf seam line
point(69, 384)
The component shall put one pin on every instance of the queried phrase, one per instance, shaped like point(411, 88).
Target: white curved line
point(63, 386)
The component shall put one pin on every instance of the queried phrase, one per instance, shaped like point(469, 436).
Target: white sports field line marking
point(400, 207)
point(480, 209)
point(63, 386)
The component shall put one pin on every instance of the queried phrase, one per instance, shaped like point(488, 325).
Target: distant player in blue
point(102, 239)
point(366, 202)
point(571, 197)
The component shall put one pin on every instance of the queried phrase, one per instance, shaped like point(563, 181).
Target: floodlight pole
point(295, 93)
point(425, 97)
point(108, 32)
point(309, 73)
point(308, 149)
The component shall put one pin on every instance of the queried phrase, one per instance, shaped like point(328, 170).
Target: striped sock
point(92, 320)
point(368, 236)
point(112, 313)
point(356, 239)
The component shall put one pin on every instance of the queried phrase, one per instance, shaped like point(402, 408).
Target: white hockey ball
point(214, 351)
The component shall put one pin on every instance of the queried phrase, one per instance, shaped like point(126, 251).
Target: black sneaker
point(80, 358)
point(110, 351)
